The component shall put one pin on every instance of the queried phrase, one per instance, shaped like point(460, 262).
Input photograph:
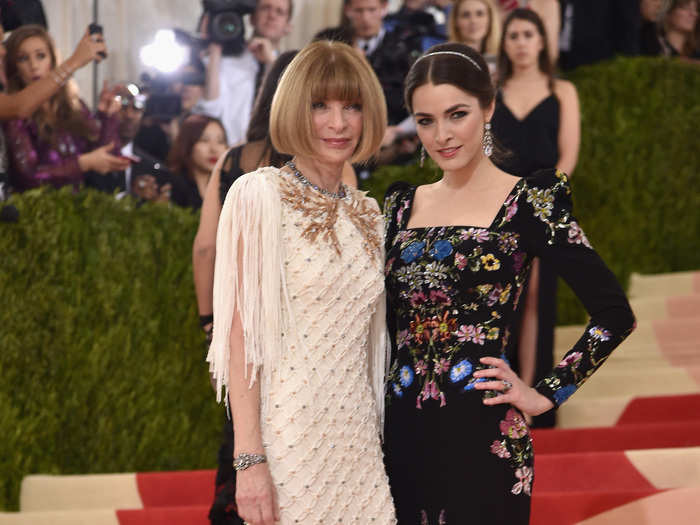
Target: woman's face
point(650, 9)
point(450, 124)
point(210, 146)
point(523, 43)
point(33, 60)
point(684, 17)
point(337, 128)
point(473, 21)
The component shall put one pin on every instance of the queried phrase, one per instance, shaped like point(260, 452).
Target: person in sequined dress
point(61, 140)
point(299, 343)
point(458, 448)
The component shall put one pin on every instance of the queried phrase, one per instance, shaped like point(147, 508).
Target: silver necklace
point(341, 194)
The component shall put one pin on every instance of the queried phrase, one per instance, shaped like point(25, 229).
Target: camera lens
point(226, 27)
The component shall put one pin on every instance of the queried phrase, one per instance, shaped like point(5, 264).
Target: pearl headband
point(477, 66)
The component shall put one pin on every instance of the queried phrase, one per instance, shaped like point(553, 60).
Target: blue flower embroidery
point(564, 393)
point(440, 250)
point(406, 376)
point(460, 371)
point(397, 390)
point(412, 251)
point(471, 384)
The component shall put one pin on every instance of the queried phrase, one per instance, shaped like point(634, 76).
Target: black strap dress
point(533, 145)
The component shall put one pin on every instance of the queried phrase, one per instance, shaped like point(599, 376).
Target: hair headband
point(456, 53)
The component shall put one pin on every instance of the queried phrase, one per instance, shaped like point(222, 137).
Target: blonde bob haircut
point(326, 70)
point(491, 41)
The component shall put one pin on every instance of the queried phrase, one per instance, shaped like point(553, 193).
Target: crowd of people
point(379, 88)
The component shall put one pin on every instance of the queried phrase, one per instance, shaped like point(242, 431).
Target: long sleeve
point(557, 237)
point(249, 280)
point(27, 170)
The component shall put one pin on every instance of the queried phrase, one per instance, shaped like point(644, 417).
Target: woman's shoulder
point(396, 192)
point(564, 89)
point(251, 184)
point(548, 178)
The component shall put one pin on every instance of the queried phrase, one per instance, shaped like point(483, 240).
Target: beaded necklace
point(341, 194)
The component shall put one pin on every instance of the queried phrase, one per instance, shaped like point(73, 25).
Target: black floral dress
point(451, 294)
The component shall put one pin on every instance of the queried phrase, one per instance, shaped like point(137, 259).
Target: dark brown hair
point(259, 126)
point(65, 111)
point(467, 72)
point(690, 42)
point(191, 129)
point(505, 66)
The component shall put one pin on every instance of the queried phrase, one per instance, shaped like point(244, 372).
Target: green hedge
point(101, 361)
point(637, 184)
point(101, 358)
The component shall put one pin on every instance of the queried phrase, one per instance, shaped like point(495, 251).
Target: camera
point(226, 25)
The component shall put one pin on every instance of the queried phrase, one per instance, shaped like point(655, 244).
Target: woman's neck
point(676, 39)
point(529, 73)
point(474, 44)
point(324, 175)
point(470, 175)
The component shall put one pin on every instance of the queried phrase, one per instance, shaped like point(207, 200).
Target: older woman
point(299, 334)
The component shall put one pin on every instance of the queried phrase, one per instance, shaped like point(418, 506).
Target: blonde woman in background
point(476, 23)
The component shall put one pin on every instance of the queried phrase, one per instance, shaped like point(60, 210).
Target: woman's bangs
point(336, 80)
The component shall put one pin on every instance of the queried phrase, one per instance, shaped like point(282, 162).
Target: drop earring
point(422, 156)
point(487, 140)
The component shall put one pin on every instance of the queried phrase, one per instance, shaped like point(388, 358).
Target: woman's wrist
point(84, 162)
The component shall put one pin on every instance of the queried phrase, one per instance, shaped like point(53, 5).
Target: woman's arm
point(549, 12)
point(204, 247)
point(569, 126)
point(24, 103)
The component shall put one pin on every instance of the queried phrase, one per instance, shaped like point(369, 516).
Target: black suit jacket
point(601, 30)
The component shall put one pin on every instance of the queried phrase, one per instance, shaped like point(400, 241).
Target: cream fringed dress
point(311, 300)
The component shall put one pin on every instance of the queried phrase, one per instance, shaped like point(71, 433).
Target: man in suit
point(146, 177)
point(594, 30)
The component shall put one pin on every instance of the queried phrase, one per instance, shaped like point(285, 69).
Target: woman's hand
point(101, 161)
point(109, 102)
point(514, 390)
point(256, 496)
point(87, 50)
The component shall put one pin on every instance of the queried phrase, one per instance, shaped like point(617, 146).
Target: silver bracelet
point(244, 461)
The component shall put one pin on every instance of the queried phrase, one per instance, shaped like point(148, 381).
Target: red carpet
point(662, 409)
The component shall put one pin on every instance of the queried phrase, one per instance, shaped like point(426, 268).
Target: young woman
point(198, 146)
point(299, 324)
point(475, 23)
point(61, 140)
point(679, 29)
point(459, 251)
point(537, 119)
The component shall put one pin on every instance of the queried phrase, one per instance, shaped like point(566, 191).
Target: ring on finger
point(507, 385)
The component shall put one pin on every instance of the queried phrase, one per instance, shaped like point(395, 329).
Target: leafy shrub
point(102, 363)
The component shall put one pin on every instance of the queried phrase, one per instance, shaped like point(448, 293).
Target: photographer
point(235, 67)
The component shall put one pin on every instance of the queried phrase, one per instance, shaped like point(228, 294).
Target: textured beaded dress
point(312, 304)
point(452, 292)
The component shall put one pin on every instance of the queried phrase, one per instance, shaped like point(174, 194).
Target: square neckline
point(409, 211)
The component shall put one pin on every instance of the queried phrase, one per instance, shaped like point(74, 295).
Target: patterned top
point(35, 162)
point(453, 291)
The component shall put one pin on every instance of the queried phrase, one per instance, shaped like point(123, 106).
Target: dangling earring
point(487, 140)
point(422, 156)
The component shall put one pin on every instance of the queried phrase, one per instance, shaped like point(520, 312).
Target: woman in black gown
point(537, 120)
point(459, 251)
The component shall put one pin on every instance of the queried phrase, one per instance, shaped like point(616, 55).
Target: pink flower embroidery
point(478, 234)
point(471, 334)
point(524, 475)
point(499, 449)
point(440, 297)
point(460, 261)
point(418, 298)
point(573, 359)
point(513, 425)
point(576, 235)
point(403, 338)
point(442, 366)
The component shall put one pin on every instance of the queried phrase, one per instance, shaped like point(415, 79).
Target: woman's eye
point(458, 115)
point(41, 56)
point(354, 107)
point(424, 121)
point(318, 105)
point(528, 34)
